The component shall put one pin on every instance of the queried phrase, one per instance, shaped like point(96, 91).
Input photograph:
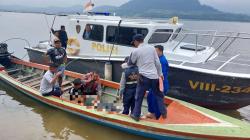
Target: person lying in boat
point(128, 85)
point(47, 87)
point(154, 112)
point(58, 56)
point(88, 85)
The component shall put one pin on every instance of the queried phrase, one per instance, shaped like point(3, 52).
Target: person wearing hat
point(150, 71)
point(77, 91)
point(58, 56)
point(49, 79)
point(128, 85)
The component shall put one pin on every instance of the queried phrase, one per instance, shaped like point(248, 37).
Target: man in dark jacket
point(62, 36)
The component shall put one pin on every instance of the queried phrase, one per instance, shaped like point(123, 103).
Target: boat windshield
point(125, 34)
point(160, 36)
point(176, 33)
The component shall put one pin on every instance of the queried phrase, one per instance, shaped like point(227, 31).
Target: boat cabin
point(99, 35)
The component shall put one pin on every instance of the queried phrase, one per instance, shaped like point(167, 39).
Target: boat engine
point(4, 55)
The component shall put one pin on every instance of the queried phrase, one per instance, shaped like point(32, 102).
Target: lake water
point(23, 118)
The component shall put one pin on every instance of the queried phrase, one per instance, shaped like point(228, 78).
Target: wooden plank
point(66, 83)
point(36, 86)
point(67, 88)
point(13, 70)
point(34, 83)
point(28, 76)
point(32, 80)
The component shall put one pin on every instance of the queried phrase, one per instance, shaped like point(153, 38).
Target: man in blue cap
point(148, 63)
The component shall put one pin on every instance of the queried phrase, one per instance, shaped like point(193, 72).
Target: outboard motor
point(4, 55)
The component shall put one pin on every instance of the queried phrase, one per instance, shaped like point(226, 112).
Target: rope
point(18, 38)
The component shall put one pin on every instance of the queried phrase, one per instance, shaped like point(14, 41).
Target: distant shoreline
point(186, 19)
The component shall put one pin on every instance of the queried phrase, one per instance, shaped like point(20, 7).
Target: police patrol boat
point(201, 70)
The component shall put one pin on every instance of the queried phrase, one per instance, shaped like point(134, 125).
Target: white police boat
point(200, 72)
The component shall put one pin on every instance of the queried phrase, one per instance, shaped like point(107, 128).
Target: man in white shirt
point(49, 80)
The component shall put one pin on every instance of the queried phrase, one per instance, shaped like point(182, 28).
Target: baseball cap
point(137, 37)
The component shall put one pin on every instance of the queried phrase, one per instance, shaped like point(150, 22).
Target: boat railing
point(220, 40)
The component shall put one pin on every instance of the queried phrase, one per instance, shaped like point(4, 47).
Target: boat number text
point(211, 87)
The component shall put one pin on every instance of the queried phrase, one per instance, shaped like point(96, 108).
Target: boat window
point(125, 34)
point(93, 32)
point(160, 36)
point(176, 33)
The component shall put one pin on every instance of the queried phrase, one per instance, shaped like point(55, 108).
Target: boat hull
point(96, 119)
point(207, 90)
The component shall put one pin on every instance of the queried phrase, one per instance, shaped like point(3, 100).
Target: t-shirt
point(74, 91)
point(57, 55)
point(46, 85)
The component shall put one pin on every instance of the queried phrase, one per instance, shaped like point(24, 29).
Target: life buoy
point(73, 46)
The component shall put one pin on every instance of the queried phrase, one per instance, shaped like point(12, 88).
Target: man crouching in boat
point(47, 87)
point(87, 86)
point(128, 86)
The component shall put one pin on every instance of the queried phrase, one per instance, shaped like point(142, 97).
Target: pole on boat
point(51, 28)
point(108, 64)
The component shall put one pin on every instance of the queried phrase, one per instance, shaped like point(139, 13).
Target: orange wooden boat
point(184, 120)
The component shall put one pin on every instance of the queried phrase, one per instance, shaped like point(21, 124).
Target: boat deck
point(239, 64)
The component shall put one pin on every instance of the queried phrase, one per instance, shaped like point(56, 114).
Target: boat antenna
point(116, 38)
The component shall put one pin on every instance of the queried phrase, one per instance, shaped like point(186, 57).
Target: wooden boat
point(184, 120)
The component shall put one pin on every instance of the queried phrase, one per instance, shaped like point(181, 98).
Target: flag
point(89, 6)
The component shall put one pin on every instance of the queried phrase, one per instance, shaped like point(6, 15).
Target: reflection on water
point(23, 118)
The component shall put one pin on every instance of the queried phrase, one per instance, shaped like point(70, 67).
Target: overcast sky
point(237, 6)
